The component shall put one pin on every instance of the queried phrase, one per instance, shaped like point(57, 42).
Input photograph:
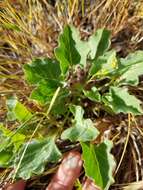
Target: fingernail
point(72, 162)
point(80, 163)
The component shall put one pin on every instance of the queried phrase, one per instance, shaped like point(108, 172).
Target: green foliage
point(5, 157)
point(131, 68)
point(100, 72)
point(44, 74)
point(40, 69)
point(99, 43)
point(82, 130)
point(93, 94)
point(81, 46)
point(37, 154)
point(66, 53)
point(82, 73)
point(99, 163)
point(16, 110)
point(10, 143)
point(119, 100)
point(94, 47)
point(10, 138)
point(44, 92)
point(104, 65)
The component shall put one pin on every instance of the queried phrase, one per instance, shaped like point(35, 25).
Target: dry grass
point(29, 28)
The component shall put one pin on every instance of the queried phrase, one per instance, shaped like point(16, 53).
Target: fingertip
point(68, 172)
point(19, 185)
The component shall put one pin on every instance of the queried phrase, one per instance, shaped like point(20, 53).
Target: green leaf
point(36, 156)
point(82, 130)
point(43, 94)
point(82, 46)
point(131, 76)
point(130, 69)
point(18, 111)
point(45, 74)
point(10, 138)
point(72, 50)
point(93, 94)
point(105, 64)
point(132, 58)
point(44, 91)
point(41, 69)
point(60, 105)
point(66, 53)
point(5, 157)
point(38, 96)
point(99, 43)
point(10, 143)
point(99, 163)
point(119, 100)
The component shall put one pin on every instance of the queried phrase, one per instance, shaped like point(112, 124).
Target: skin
point(20, 185)
point(65, 177)
point(67, 173)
